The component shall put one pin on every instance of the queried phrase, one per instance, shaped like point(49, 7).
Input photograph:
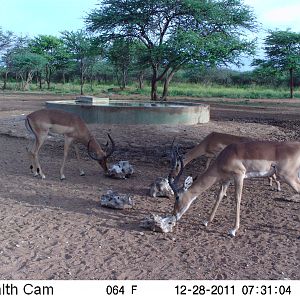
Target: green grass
point(217, 91)
point(58, 88)
point(175, 90)
point(212, 91)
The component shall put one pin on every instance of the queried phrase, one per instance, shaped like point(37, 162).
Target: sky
point(277, 14)
point(35, 17)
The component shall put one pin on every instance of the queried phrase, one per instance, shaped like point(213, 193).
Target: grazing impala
point(237, 162)
point(43, 121)
point(212, 145)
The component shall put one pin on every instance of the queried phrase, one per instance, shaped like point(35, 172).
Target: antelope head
point(182, 201)
point(96, 153)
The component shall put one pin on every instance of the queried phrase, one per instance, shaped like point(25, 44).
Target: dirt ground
point(53, 229)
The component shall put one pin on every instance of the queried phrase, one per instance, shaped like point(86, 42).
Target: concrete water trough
point(104, 111)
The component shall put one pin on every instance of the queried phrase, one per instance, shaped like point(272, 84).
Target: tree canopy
point(49, 47)
point(175, 33)
point(24, 63)
point(282, 51)
point(134, 41)
point(82, 48)
point(6, 39)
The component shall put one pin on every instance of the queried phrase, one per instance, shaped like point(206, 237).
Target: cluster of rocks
point(159, 223)
point(115, 200)
point(122, 170)
point(159, 188)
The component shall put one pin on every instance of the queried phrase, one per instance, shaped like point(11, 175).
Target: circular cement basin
point(135, 112)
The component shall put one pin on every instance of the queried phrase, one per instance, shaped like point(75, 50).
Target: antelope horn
point(174, 181)
point(92, 156)
point(112, 147)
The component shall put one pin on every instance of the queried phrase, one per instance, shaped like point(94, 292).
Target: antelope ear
point(188, 183)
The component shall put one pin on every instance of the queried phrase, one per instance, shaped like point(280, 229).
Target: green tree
point(25, 63)
point(63, 63)
point(49, 47)
point(15, 44)
point(282, 51)
point(6, 41)
point(140, 62)
point(175, 33)
point(120, 55)
point(82, 48)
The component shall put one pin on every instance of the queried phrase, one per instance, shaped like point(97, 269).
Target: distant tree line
point(154, 41)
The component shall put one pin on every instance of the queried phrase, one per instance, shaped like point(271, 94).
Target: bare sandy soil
point(53, 229)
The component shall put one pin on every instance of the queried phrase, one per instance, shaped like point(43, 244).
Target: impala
point(43, 121)
point(212, 145)
point(237, 162)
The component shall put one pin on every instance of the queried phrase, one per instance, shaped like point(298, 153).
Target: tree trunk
point(48, 75)
point(49, 78)
point(81, 77)
point(27, 81)
point(124, 79)
point(141, 80)
point(166, 85)
point(39, 77)
point(118, 77)
point(64, 77)
point(154, 83)
point(291, 83)
point(91, 83)
point(20, 83)
point(5, 81)
point(154, 89)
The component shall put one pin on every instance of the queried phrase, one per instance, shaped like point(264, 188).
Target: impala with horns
point(237, 162)
point(74, 129)
point(211, 146)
